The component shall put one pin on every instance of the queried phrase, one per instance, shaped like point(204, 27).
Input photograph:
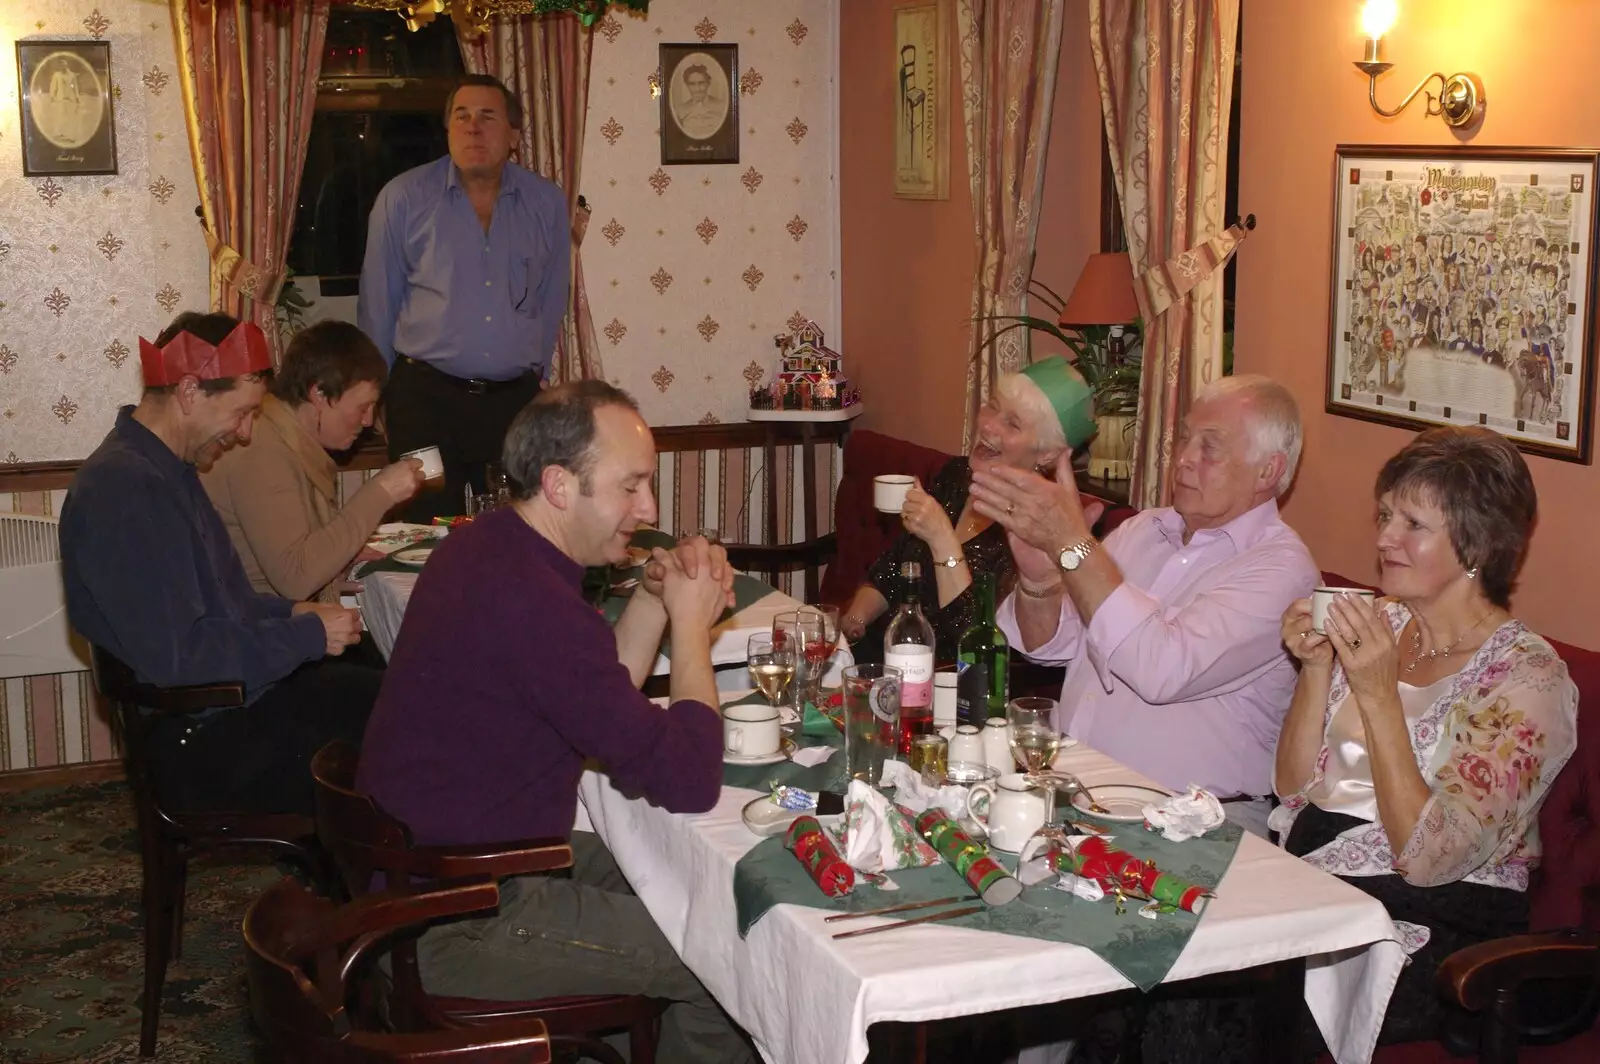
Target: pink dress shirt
point(1182, 674)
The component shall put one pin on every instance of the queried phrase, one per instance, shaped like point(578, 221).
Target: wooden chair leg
point(178, 890)
point(159, 856)
point(642, 1039)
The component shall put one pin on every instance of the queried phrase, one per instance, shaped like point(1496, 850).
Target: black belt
point(471, 385)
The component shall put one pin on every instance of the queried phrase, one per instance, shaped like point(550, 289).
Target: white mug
point(751, 730)
point(889, 492)
point(965, 744)
point(944, 699)
point(1323, 596)
point(997, 746)
point(1009, 812)
point(432, 462)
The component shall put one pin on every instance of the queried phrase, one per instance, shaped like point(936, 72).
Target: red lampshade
point(1104, 292)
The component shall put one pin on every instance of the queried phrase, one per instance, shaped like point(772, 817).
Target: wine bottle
point(983, 661)
point(908, 646)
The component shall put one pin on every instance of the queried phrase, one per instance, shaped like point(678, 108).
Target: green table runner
point(1143, 950)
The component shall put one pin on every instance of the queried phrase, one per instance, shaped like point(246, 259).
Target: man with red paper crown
point(152, 578)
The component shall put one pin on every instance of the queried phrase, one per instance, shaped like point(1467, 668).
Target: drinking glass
point(496, 483)
point(771, 666)
point(1035, 741)
point(802, 630)
point(871, 720)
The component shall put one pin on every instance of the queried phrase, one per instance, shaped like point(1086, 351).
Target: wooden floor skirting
point(26, 779)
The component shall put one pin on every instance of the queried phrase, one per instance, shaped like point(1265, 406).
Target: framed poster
point(921, 122)
point(699, 103)
point(1463, 291)
point(64, 88)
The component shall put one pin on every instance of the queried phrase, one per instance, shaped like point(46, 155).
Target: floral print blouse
point(1490, 747)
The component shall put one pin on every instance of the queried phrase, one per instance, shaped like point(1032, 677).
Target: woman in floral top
point(1427, 728)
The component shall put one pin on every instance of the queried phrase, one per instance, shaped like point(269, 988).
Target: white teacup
point(751, 730)
point(1009, 811)
point(965, 744)
point(1323, 596)
point(944, 698)
point(889, 492)
point(432, 462)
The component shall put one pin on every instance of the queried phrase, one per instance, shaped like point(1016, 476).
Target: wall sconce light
point(1460, 100)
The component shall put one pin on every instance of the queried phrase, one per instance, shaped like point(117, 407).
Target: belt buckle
point(477, 387)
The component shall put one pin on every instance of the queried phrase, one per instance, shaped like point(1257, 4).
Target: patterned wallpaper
point(88, 264)
point(692, 270)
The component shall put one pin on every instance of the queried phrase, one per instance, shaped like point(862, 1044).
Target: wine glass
point(1035, 741)
point(771, 665)
point(802, 630)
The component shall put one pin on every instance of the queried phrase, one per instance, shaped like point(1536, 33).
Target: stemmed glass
point(1035, 741)
point(771, 665)
point(802, 630)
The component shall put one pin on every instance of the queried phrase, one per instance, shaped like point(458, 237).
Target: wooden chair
point(365, 840)
point(167, 837)
point(305, 955)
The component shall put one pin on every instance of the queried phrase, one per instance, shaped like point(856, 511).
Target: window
point(380, 106)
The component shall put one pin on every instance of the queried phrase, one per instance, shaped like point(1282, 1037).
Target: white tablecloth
point(384, 596)
point(807, 999)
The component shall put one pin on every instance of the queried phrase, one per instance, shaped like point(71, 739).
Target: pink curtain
point(1166, 85)
point(545, 61)
point(1010, 50)
point(248, 69)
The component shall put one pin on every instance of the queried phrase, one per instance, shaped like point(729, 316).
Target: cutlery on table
point(948, 914)
point(903, 907)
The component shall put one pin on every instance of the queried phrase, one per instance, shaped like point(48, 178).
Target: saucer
point(765, 817)
point(1123, 802)
point(781, 754)
point(414, 556)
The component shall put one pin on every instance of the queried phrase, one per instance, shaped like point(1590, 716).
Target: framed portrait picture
point(922, 122)
point(64, 88)
point(699, 103)
point(1463, 291)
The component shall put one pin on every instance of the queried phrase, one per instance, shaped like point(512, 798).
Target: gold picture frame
point(921, 101)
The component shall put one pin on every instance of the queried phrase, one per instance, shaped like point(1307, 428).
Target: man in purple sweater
point(504, 681)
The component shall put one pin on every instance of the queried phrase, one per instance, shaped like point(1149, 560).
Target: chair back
point(304, 954)
point(363, 838)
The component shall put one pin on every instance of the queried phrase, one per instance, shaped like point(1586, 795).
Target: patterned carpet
point(71, 953)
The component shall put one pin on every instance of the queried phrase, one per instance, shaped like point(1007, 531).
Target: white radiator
point(34, 635)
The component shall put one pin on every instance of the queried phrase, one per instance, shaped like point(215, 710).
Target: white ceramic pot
point(1008, 811)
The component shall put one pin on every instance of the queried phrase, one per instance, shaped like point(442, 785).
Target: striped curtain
point(248, 69)
point(1010, 50)
point(545, 61)
point(1166, 85)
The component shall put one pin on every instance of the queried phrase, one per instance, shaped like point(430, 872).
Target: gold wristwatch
point(1073, 556)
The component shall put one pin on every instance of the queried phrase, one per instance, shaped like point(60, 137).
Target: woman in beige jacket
point(278, 494)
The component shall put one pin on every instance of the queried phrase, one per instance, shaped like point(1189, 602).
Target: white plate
point(1123, 802)
point(765, 817)
point(417, 556)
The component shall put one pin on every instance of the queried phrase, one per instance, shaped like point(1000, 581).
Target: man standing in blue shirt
point(463, 290)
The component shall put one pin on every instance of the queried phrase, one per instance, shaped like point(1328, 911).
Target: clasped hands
point(693, 581)
point(1359, 634)
point(1041, 516)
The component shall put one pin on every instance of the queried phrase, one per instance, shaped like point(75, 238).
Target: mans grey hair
point(1274, 422)
point(558, 428)
point(1034, 406)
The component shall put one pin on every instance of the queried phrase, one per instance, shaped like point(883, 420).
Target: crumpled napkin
point(915, 795)
point(1185, 816)
point(878, 837)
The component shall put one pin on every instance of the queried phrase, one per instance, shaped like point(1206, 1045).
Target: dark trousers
point(426, 407)
point(257, 758)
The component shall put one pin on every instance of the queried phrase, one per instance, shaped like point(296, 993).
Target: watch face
point(1070, 559)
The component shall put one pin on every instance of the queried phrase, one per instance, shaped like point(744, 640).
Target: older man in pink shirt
point(1170, 629)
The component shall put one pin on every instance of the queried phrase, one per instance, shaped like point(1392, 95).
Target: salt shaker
point(997, 746)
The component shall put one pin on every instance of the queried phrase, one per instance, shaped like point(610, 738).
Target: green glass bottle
point(983, 661)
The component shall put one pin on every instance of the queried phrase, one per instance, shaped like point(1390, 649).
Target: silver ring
point(1355, 644)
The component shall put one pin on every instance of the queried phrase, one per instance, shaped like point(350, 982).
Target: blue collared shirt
point(435, 287)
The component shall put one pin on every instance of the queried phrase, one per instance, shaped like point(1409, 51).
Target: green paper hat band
point(1069, 396)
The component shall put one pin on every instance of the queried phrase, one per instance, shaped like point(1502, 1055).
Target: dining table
point(806, 998)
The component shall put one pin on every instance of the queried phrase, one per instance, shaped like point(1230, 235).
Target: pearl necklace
point(1416, 644)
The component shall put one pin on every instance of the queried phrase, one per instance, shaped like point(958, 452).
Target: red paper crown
point(186, 355)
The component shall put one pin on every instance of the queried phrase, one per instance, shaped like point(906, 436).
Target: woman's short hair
point(1029, 400)
point(331, 356)
point(1479, 480)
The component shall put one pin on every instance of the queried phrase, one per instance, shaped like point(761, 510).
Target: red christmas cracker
point(1113, 868)
point(821, 859)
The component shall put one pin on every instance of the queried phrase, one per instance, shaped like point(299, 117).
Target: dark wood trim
point(1111, 234)
point(26, 779)
point(373, 453)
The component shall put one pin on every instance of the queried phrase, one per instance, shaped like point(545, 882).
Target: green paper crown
point(1069, 395)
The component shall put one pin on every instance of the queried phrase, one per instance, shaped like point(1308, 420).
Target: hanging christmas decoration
point(472, 16)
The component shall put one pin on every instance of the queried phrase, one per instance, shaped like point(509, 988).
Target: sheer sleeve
point(1508, 739)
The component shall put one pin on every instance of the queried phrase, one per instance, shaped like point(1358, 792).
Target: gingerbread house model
point(810, 374)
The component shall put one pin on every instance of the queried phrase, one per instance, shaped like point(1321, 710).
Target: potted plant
point(1112, 374)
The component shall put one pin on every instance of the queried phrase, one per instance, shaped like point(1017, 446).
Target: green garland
point(588, 11)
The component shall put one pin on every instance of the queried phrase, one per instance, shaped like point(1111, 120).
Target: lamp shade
point(1104, 292)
